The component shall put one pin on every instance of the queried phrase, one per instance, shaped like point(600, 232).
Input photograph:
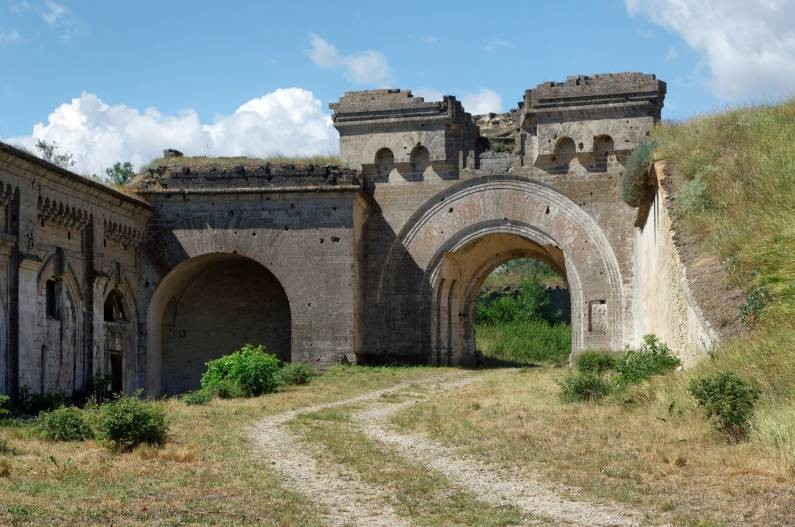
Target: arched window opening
point(116, 337)
point(420, 159)
point(603, 148)
point(384, 161)
point(52, 296)
point(114, 308)
point(565, 150)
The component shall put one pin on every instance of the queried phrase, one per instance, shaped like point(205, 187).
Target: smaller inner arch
point(459, 278)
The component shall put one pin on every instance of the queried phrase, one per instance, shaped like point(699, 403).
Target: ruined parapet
point(253, 176)
point(496, 142)
point(393, 136)
point(589, 117)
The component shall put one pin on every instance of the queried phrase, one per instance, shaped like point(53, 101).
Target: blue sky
point(195, 63)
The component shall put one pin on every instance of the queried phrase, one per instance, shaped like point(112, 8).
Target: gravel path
point(345, 500)
point(500, 487)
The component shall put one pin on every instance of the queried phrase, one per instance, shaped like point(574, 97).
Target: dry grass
point(660, 456)
point(206, 473)
point(416, 492)
point(231, 162)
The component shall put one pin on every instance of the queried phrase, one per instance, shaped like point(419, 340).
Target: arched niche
point(209, 306)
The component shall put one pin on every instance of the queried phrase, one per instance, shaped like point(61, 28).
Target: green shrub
point(634, 189)
point(64, 424)
point(294, 373)
point(197, 397)
point(251, 368)
point(758, 298)
point(595, 362)
point(728, 399)
point(583, 386)
point(225, 389)
point(29, 403)
point(530, 304)
point(4, 399)
point(127, 421)
point(652, 358)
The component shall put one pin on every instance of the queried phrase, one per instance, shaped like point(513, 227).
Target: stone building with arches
point(377, 261)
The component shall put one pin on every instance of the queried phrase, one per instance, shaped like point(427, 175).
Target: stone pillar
point(7, 243)
point(29, 358)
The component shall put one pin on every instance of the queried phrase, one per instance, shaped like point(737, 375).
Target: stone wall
point(66, 245)
point(277, 246)
point(558, 188)
point(664, 304)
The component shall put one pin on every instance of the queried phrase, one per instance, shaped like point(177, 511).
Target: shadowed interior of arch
point(214, 307)
point(460, 308)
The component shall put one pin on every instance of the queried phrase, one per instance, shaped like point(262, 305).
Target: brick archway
point(426, 288)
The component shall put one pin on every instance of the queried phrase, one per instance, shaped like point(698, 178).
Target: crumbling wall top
point(390, 104)
point(607, 95)
point(244, 177)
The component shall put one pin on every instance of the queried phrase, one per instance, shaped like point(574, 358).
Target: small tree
point(121, 173)
point(49, 152)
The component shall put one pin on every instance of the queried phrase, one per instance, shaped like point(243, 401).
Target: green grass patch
point(525, 342)
point(231, 162)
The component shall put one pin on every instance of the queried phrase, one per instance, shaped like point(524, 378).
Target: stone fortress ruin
point(377, 261)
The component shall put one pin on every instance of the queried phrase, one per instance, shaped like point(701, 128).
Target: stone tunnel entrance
point(441, 257)
point(209, 306)
point(459, 277)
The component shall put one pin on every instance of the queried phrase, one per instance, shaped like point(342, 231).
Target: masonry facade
point(379, 260)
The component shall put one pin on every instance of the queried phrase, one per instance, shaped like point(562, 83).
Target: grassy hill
point(734, 174)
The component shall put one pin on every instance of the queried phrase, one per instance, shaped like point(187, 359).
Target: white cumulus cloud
point(483, 101)
point(749, 45)
point(366, 67)
point(287, 121)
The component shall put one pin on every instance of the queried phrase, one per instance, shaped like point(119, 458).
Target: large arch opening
point(435, 268)
point(522, 315)
point(210, 306)
point(460, 306)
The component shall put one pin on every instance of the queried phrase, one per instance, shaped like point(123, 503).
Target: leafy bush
point(727, 398)
point(4, 399)
point(652, 358)
point(197, 397)
point(127, 421)
point(634, 189)
point(583, 386)
point(34, 403)
point(294, 373)
point(64, 424)
point(595, 362)
point(757, 299)
point(251, 368)
point(225, 389)
point(531, 303)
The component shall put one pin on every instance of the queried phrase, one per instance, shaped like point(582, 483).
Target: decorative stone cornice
point(59, 213)
point(121, 234)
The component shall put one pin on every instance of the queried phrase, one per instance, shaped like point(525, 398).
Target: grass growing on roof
point(231, 162)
